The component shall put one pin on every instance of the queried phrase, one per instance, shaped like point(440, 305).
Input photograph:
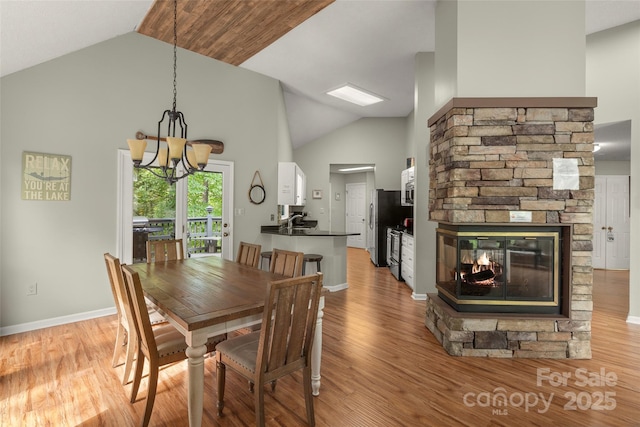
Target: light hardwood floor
point(380, 367)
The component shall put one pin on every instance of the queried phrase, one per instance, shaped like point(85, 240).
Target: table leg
point(196, 353)
point(316, 351)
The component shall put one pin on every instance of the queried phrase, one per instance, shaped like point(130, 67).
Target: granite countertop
point(298, 231)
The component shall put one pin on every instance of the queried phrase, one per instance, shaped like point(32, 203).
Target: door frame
point(124, 205)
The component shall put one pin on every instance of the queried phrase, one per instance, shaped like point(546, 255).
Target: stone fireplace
point(514, 241)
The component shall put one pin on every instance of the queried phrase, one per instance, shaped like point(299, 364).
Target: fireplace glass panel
point(531, 263)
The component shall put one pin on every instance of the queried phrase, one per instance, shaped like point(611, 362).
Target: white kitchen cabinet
point(406, 260)
point(292, 184)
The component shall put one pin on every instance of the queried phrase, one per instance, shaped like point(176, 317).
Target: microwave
point(408, 187)
point(409, 192)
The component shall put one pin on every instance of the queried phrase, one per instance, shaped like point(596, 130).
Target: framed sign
point(46, 176)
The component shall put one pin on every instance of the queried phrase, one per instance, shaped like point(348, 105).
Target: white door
point(356, 209)
point(611, 222)
point(211, 231)
point(180, 192)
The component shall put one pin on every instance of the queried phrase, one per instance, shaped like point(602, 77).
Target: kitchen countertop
point(312, 232)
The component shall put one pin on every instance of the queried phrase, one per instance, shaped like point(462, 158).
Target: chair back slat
point(249, 254)
point(164, 250)
point(287, 263)
point(114, 269)
point(139, 309)
point(288, 327)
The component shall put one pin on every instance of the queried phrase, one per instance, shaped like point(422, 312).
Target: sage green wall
point(613, 75)
point(502, 49)
point(380, 141)
point(424, 230)
point(521, 48)
point(86, 104)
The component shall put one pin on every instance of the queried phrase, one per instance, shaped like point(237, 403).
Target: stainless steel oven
point(394, 240)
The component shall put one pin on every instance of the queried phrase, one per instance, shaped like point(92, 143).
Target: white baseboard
point(419, 297)
point(336, 288)
point(633, 319)
point(55, 321)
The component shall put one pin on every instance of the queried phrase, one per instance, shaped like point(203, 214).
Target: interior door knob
point(610, 228)
point(225, 234)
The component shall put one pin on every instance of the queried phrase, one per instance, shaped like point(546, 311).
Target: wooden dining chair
point(164, 250)
point(281, 347)
point(287, 263)
point(249, 254)
point(126, 333)
point(160, 346)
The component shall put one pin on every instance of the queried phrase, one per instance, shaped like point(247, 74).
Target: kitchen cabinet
point(406, 260)
point(292, 184)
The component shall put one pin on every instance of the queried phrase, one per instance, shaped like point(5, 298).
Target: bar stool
point(265, 255)
point(311, 258)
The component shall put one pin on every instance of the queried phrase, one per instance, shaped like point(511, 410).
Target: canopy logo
point(46, 176)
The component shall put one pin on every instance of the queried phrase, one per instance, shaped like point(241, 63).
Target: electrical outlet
point(32, 289)
point(273, 217)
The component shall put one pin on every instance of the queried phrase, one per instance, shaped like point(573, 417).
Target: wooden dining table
point(209, 296)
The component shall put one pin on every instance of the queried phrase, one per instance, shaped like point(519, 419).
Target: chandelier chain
point(175, 55)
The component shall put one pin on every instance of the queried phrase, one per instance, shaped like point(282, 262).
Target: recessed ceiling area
point(349, 168)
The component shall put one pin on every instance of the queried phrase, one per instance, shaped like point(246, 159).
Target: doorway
point(341, 176)
point(197, 209)
point(611, 222)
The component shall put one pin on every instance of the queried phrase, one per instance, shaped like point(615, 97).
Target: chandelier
point(192, 155)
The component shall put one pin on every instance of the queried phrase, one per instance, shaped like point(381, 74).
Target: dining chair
point(286, 263)
point(160, 346)
point(125, 334)
point(164, 250)
point(249, 254)
point(281, 347)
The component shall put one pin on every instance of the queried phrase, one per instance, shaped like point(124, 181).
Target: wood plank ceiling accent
point(231, 31)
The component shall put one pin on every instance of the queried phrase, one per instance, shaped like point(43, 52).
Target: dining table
point(208, 296)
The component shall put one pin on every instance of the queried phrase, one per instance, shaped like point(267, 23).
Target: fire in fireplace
point(493, 269)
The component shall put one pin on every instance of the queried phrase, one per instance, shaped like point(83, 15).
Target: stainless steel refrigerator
point(385, 211)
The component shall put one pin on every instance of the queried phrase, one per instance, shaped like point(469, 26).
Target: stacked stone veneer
point(491, 156)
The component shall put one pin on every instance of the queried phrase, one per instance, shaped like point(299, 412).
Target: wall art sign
point(46, 176)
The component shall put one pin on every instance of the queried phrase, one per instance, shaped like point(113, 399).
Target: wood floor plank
point(380, 367)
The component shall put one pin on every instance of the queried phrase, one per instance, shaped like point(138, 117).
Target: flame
point(484, 259)
point(482, 263)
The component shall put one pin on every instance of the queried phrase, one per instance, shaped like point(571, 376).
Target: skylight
point(355, 95)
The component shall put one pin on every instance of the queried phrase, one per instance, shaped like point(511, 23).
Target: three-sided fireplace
point(482, 268)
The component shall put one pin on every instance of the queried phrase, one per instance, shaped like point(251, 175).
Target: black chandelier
point(177, 148)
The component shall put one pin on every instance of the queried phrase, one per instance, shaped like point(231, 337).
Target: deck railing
point(201, 232)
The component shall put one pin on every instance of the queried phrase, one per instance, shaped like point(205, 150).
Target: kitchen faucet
point(290, 221)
